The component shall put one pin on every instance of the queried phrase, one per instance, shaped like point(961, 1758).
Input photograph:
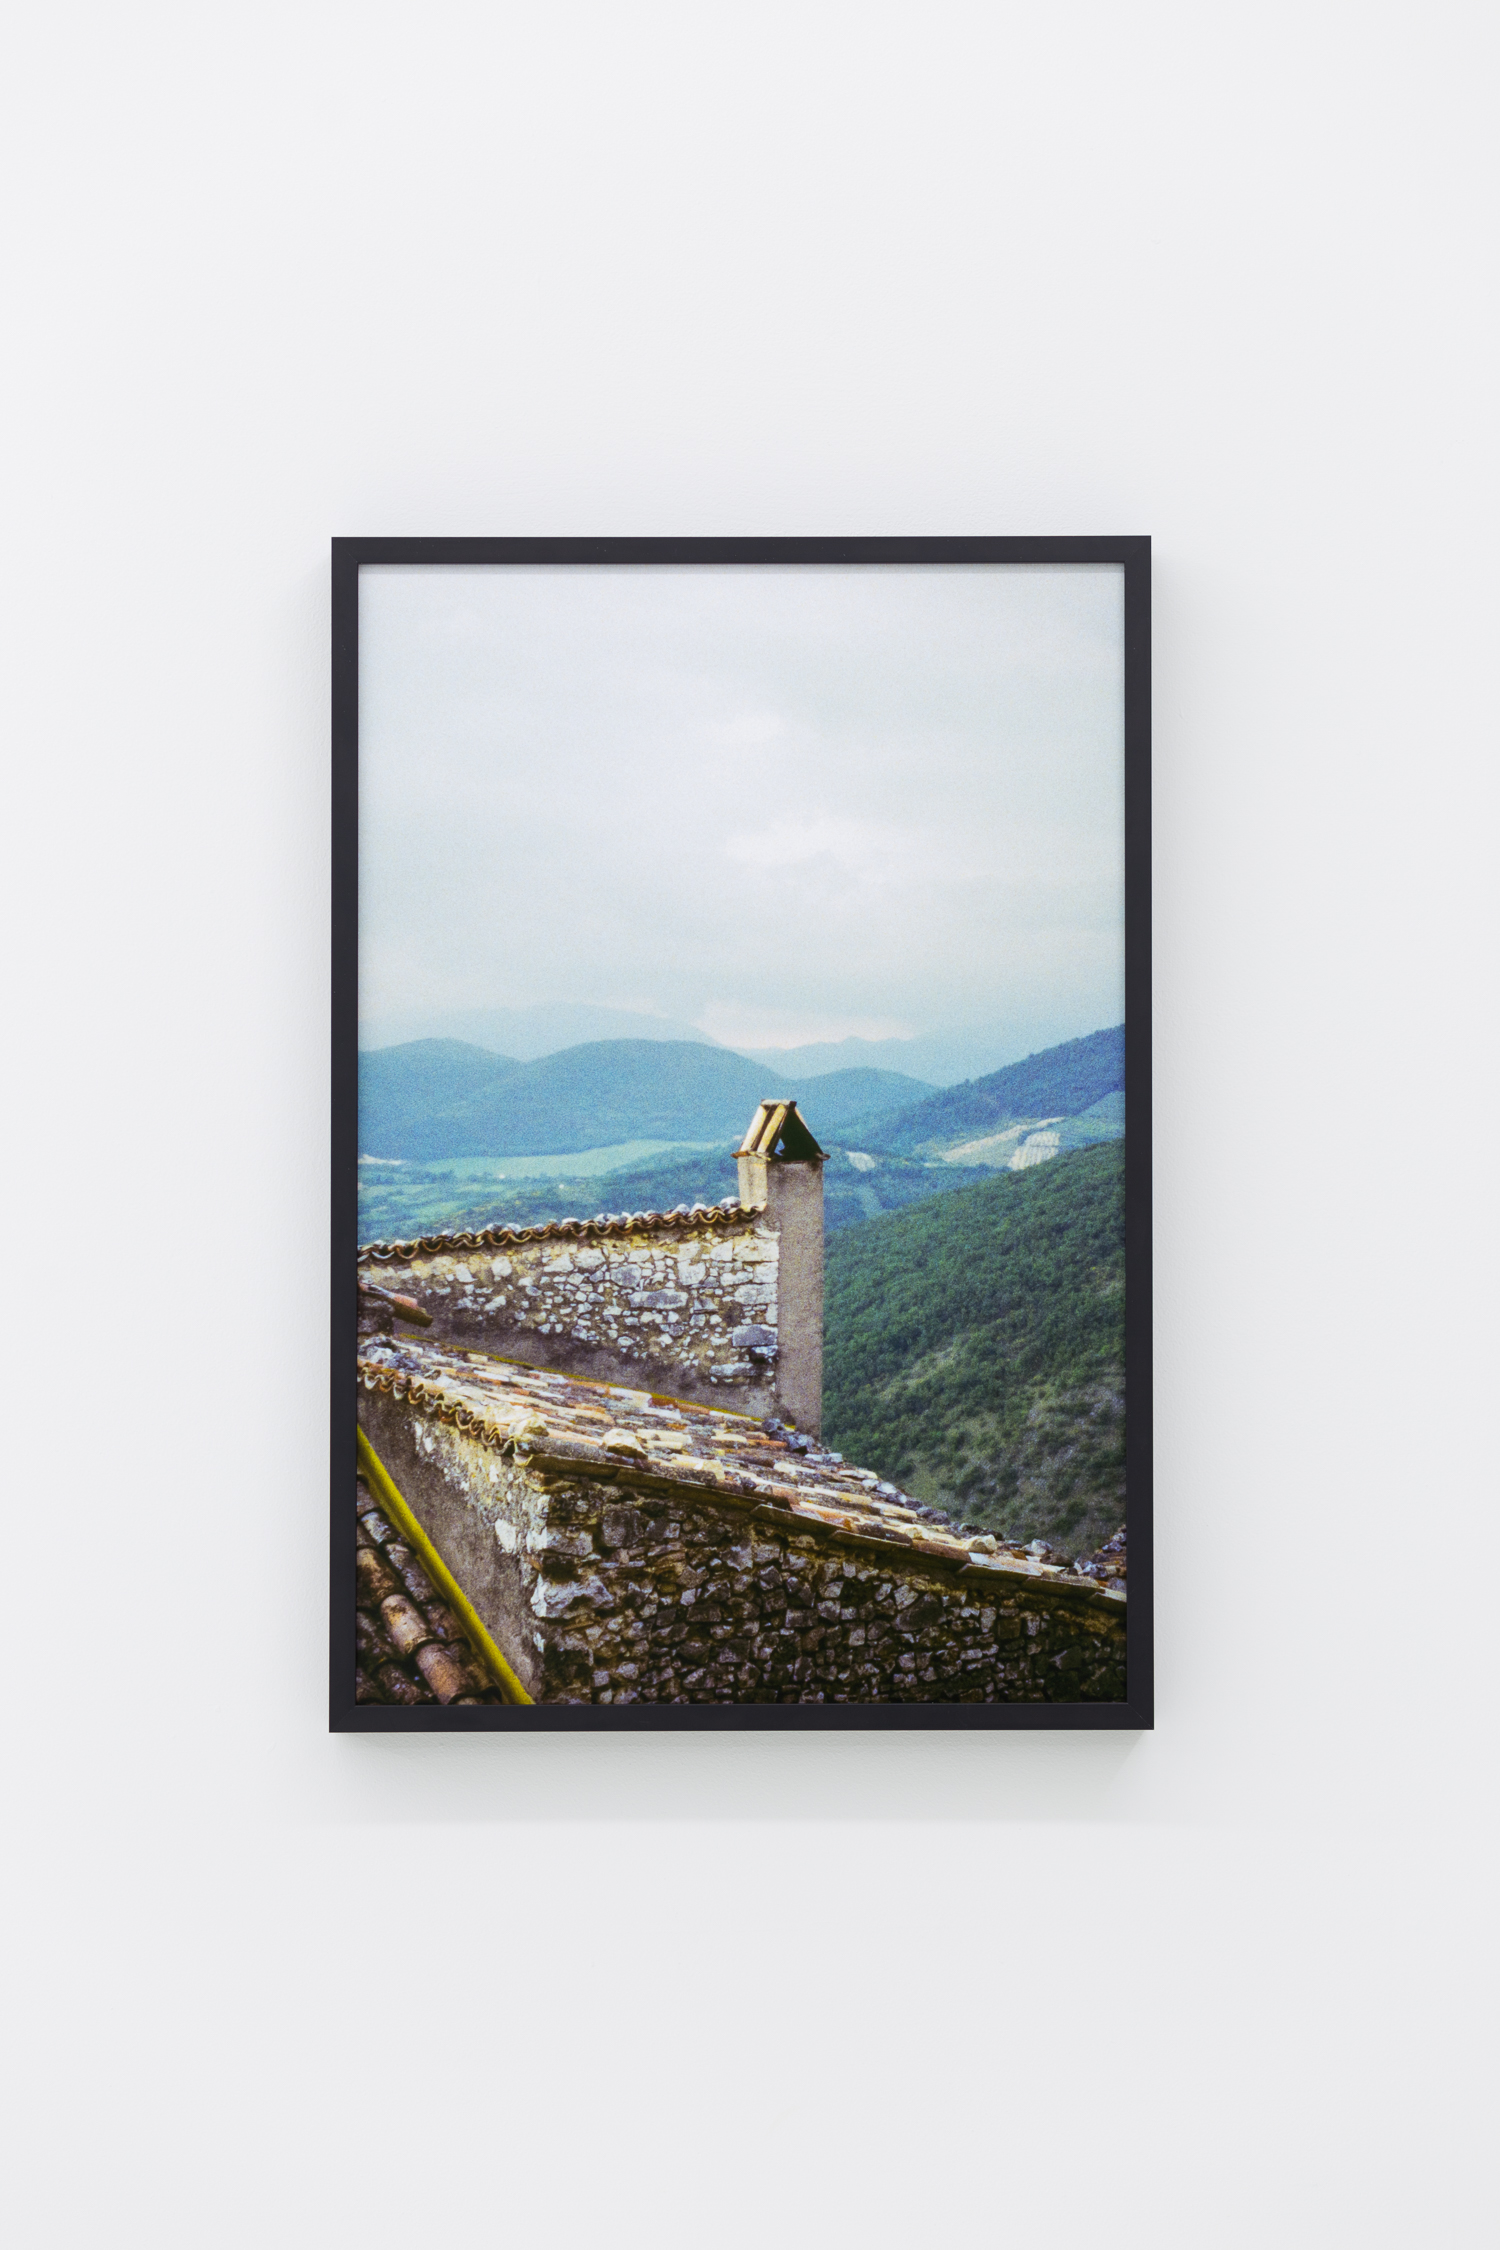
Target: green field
point(401, 1200)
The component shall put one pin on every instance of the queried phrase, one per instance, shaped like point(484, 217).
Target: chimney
point(781, 1173)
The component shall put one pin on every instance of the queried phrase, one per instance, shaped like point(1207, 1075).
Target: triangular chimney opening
point(777, 1130)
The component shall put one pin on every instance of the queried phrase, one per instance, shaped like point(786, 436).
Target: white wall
point(1217, 273)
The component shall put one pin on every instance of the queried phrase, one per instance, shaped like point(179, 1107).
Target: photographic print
point(741, 1244)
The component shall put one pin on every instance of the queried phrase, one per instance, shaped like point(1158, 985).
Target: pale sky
point(784, 805)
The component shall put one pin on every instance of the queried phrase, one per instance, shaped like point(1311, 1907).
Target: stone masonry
point(685, 1301)
point(700, 1302)
point(621, 1548)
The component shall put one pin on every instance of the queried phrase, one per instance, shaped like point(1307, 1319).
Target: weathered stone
point(711, 1593)
point(559, 1541)
point(552, 1597)
point(669, 1297)
point(627, 1443)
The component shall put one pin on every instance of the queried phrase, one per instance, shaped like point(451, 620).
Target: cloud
point(751, 730)
point(822, 798)
point(873, 853)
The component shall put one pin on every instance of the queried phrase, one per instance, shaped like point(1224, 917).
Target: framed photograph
point(741, 1268)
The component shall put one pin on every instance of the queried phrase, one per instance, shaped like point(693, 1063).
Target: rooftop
point(566, 1422)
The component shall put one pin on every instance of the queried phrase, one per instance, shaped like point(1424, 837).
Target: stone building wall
point(616, 1586)
point(685, 1303)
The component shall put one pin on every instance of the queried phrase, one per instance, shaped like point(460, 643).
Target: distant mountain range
point(526, 1034)
point(529, 1034)
point(938, 1059)
point(436, 1098)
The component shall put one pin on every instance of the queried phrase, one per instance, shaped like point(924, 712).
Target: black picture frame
point(1133, 556)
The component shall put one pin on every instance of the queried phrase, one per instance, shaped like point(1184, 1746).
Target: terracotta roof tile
point(374, 1577)
point(371, 1642)
point(413, 1577)
point(444, 1670)
point(405, 1623)
point(409, 1646)
point(705, 1216)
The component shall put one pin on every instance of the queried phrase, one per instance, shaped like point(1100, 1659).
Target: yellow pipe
point(378, 1477)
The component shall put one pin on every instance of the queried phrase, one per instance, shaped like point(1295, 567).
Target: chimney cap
point(776, 1130)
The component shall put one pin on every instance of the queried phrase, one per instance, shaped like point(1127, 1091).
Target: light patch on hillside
point(1000, 1148)
point(860, 1161)
point(1038, 1149)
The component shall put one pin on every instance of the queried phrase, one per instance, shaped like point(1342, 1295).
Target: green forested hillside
point(975, 1349)
point(1059, 1083)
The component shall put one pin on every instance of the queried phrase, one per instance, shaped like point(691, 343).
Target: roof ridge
point(700, 1215)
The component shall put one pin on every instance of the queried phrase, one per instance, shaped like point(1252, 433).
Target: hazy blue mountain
point(591, 1096)
point(409, 1095)
point(435, 1098)
point(1061, 1082)
point(528, 1033)
point(940, 1059)
point(830, 1101)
